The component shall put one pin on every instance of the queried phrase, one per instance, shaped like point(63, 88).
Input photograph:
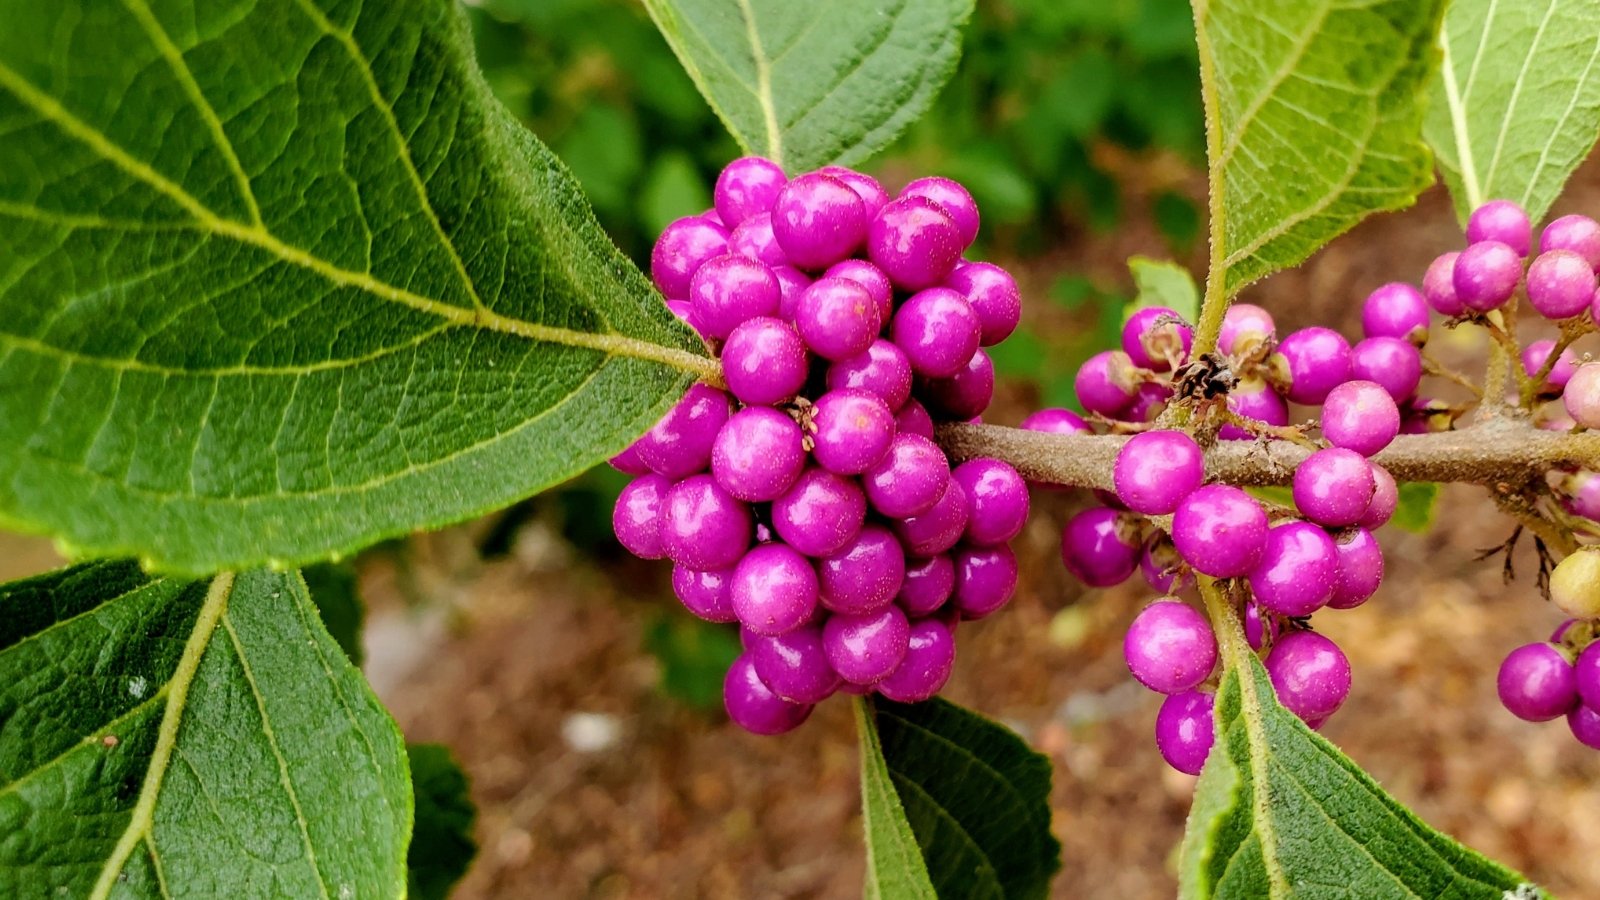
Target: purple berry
point(993, 294)
point(871, 279)
point(951, 197)
point(882, 370)
point(865, 649)
point(684, 246)
point(986, 577)
point(1360, 416)
point(636, 518)
point(758, 454)
point(748, 186)
point(997, 501)
point(1107, 383)
point(1253, 398)
point(1315, 361)
point(851, 432)
point(938, 529)
point(708, 595)
point(1100, 547)
point(703, 526)
point(837, 318)
point(937, 330)
point(680, 444)
point(1185, 730)
point(1149, 399)
point(765, 362)
point(1056, 421)
point(821, 514)
point(1385, 500)
point(818, 220)
point(1392, 363)
point(1586, 675)
point(1396, 310)
point(872, 194)
point(930, 657)
point(794, 665)
point(1297, 570)
point(1439, 286)
point(913, 418)
point(928, 584)
point(1154, 345)
point(864, 575)
point(628, 462)
point(1260, 629)
point(1310, 674)
point(729, 289)
point(1585, 725)
point(1334, 487)
point(1536, 354)
point(1244, 326)
point(1162, 568)
point(753, 706)
point(963, 395)
point(1582, 490)
point(1220, 530)
point(774, 589)
point(1582, 395)
point(1486, 275)
point(1169, 647)
point(1561, 284)
point(1537, 683)
point(1580, 234)
point(914, 242)
point(1502, 221)
point(753, 238)
point(1155, 470)
point(791, 284)
point(909, 479)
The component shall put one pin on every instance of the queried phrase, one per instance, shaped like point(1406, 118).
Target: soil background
point(591, 782)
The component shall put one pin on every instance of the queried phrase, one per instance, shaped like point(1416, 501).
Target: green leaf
point(1162, 283)
point(1516, 103)
point(808, 84)
point(281, 279)
point(1419, 500)
point(441, 844)
point(335, 591)
point(975, 797)
point(165, 738)
point(1279, 812)
point(694, 656)
point(1315, 118)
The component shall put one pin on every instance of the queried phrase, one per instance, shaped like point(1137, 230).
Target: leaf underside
point(281, 279)
point(161, 738)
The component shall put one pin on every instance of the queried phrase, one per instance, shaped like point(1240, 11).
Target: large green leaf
point(808, 84)
point(1314, 111)
point(163, 738)
point(975, 797)
point(1159, 282)
point(441, 846)
point(1516, 104)
point(281, 279)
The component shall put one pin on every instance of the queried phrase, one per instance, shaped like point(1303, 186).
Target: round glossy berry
point(871, 279)
point(951, 197)
point(938, 529)
point(865, 575)
point(680, 444)
point(1585, 725)
point(703, 526)
point(993, 294)
point(1582, 491)
point(765, 362)
point(1220, 530)
point(914, 242)
point(909, 479)
point(1244, 326)
point(1185, 730)
point(913, 418)
point(753, 706)
point(1155, 470)
point(1310, 674)
point(1385, 500)
point(1099, 547)
point(794, 665)
point(774, 589)
point(1582, 395)
point(985, 579)
point(821, 514)
point(628, 462)
point(938, 331)
point(928, 584)
point(748, 186)
point(1580, 234)
point(1503, 221)
point(1107, 383)
point(1486, 275)
point(1056, 421)
point(1253, 398)
point(1169, 647)
point(1297, 571)
point(851, 432)
point(636, 518)
point(965, 394)
point(872, 194)
point(818, 220)
point(930, 657)
point(1154, 336)
point(865, 649)
point(837, 318)
point(753, 238)
point(1392, 363)
point(791, 284)
point(1537, 353)
point(758, 454)
point(1586, 672)
point(1260, 629)
point(882, 370)
point(997, 501)
point(1360, 416)
point(1396, 310)
point(708, 595)
point(729, 289)
point(1575, 585)
point(1561, 284)
point(1334, 487)
point(684, 246)
point(1537, 683)
point(1163, 569)
point(1316, 361)
point(1439, 286)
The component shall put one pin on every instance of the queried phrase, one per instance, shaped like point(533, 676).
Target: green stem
point(1215, 303)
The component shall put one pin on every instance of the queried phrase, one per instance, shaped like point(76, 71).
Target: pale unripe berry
point(1575, 585)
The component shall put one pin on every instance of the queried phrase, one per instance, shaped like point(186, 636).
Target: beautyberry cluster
point(809, 502)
